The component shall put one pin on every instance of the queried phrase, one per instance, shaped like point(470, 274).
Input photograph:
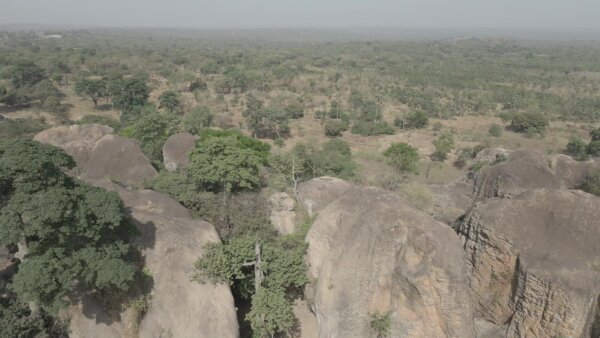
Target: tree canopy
point(403, 157)
point(225, 163)
point(72, 234)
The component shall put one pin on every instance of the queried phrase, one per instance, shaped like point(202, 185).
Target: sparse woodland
point(268, 115)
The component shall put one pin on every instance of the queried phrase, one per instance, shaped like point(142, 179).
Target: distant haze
point(505, 14)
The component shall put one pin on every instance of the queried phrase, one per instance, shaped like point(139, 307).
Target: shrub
point(403, 157)
point(365, 128)
point(198, 119)
point(335, 128)
point(593, 149)
point(443, 146)
point(337, 146)
point(495, 130)
point(577, 149)
point(381, 323)
point(262, 149)
point(591, 184)
point(463, 158)
point(529, 123)
point(417, 120)
point(294, 110)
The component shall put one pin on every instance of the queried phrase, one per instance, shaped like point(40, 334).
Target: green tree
point(335, 128)
point(92, 88)
point(26, 73)
point(591, 184)
point(72, 234)
point(224, 164)
point(169, 100)
point(129, 95)
point(443, 146)
point(495, 130)
point(198, 119)
point(265, 271)
point(17, 320)
point(593, 148)
point(381, 323)
point(271, 313)
point(152, 131)
point(403, 157)
point(417, 120)
point(268, 122)
point(577, 149)
point(529, 123)
point(294, 110)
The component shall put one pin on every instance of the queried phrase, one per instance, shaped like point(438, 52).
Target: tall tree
point(129, 95)
point(93, 89)
point(169, 100)
point(70, 234)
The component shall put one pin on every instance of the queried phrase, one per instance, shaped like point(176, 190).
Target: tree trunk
point(258, 273)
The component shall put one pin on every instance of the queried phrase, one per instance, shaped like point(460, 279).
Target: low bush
point(335, 128)
point(529, 123)
point(365, 128)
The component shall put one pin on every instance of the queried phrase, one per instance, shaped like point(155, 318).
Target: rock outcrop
point(524, 170)
point(77, 140)
point(534, 262)
point(171, 242)
point(283, 216)
point(492, 155)
point(119, 159)
point(570, 172)
point(101, 154)
point(176, 151)
point(369, 252)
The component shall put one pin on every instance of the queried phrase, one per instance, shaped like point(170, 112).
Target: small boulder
point(176, 151)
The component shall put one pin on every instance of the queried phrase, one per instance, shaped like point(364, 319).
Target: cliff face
point(534, 262)
point(371, 253)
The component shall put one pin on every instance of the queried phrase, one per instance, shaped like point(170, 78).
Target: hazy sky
point(306, 13)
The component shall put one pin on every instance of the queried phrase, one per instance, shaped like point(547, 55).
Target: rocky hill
point(521, 261)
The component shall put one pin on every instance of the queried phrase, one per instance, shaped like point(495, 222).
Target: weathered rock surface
point(492, 155)
point(170, 239)
point(534, 262)
point(570, 172)
point(317, 194)
point(176, 151)
point(119, 159)
point(77, 140)
point(524, 170)
point(369, 252)
point(283, 216)
point(179, 307)
point(101, 154)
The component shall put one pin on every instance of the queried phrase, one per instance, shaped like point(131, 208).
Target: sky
point(218, 14)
